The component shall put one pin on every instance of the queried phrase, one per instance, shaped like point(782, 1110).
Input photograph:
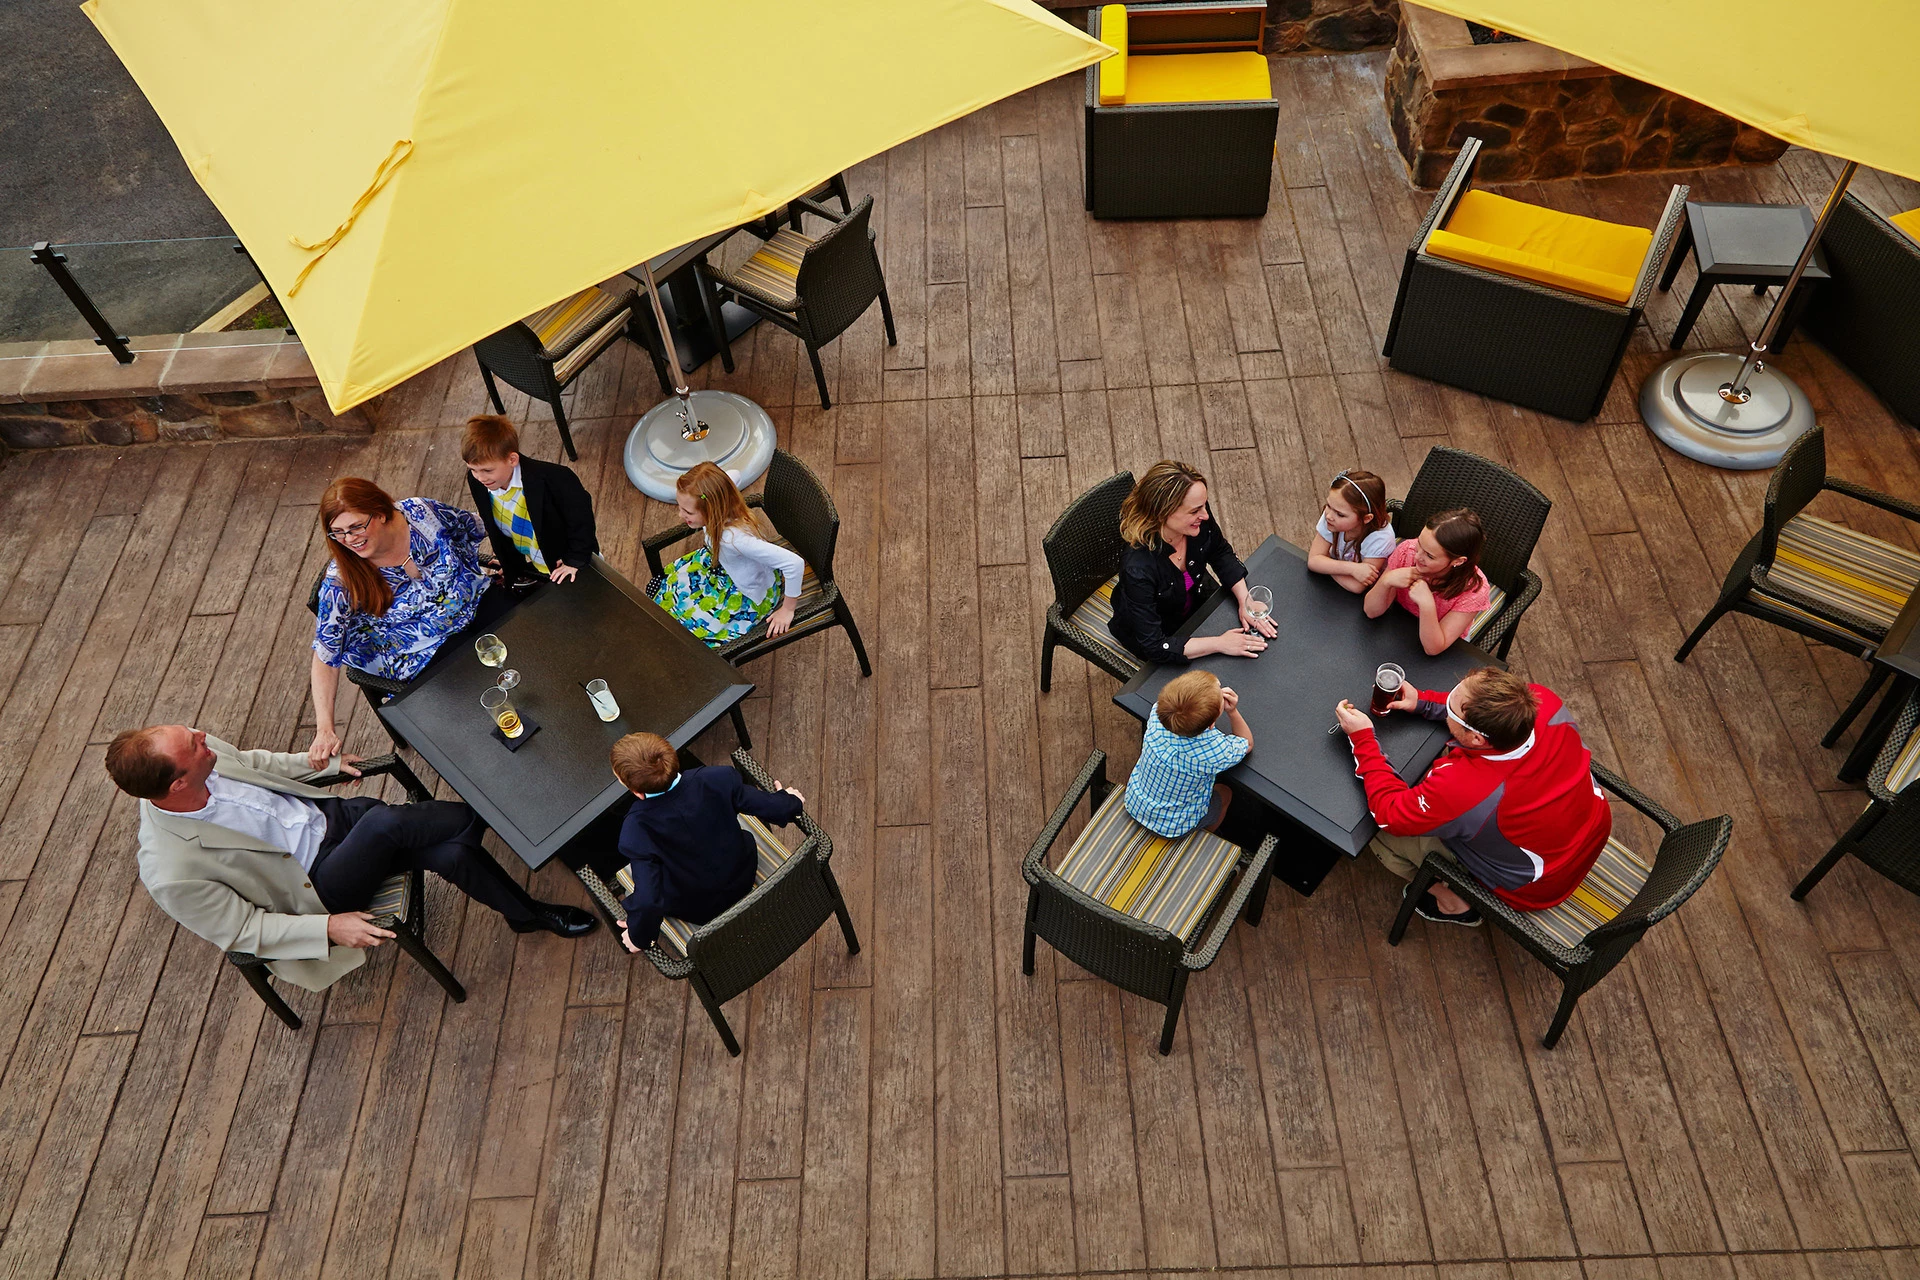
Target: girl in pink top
point(1437, 575)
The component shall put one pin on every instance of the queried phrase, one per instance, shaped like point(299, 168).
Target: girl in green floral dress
point(724, 588)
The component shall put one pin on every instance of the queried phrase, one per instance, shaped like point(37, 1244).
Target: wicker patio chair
point(544, 353)
point(814, 287)
point(1180, 122)
point(1537, 345)
point(1128, 905)
point(1584, 937)
point(1809, 575)
point(1867, 313)
point(805, 519)
point(793, 894)
point(1083, 551)
point(400, 905)
point(835, 187)
point(1886, 836)
point(1513, 513)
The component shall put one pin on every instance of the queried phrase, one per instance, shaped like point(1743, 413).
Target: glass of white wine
point(495, 702)
point(492, 650)
point(1259, 602)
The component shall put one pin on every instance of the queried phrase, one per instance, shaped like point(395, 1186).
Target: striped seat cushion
point(773, 854)
point(568, 322)
point(1095, 616)
point(1906, 765)
point(391, 900)
point(1497, 599)
point(773, 273)
point(1608, 888)
point(1170, 884)
point(1852, 571)
point(577, 359)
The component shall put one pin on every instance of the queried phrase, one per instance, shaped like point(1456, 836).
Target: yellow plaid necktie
point(510, 513)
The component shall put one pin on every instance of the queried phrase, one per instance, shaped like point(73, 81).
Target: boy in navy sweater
point(689, 855)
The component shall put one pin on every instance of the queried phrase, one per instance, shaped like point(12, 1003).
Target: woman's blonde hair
point(1155, 496)
point(719, 500)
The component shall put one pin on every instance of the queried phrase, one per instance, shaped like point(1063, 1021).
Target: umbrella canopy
point(412, 175)
point(1832, 76)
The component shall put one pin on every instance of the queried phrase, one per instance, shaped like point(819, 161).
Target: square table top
point(1327, 649)
point(1752, 239)
point(599, 626)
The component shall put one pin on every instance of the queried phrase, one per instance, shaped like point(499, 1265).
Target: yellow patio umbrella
point(1834, 77)
point(412, 175)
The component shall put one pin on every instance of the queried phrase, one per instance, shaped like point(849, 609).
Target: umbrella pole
point(691, 427)
point(1736, 391)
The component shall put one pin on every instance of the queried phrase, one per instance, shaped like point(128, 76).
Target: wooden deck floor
point(1741, 1099)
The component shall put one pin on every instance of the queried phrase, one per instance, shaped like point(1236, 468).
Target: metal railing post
point(56, 265)
point(241, 249)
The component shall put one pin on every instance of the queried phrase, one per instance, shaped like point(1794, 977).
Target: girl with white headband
point(1354, 536)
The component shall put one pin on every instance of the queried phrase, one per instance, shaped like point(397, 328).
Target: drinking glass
point(508, 679)
point(1259, 602)
point(496, 704)
point(492, 650)
point(1386, 687)
point(603, 701)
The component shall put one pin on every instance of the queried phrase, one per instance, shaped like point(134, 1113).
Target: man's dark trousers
point(368, 841)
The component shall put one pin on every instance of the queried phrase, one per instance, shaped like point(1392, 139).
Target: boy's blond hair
point(1190, 703)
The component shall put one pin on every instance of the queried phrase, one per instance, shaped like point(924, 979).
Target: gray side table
point(1754, 244)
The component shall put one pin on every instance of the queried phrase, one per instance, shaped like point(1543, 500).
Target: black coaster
point(528, 727)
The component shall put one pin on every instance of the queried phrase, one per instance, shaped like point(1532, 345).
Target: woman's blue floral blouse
point(445, 543)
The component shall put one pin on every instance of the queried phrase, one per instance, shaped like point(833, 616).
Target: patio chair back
point(1131, 954)
point(514, 354)
point(1083, 548)
point(1796, 481)
point(1511, 509)
point(802, 511)
point(840, 275)
point(1685, 859)
point(757, 934)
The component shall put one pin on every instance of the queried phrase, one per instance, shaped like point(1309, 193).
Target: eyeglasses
point(1344, 478)
point(350, 532)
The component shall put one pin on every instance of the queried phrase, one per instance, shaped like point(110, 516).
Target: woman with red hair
point(405, 578)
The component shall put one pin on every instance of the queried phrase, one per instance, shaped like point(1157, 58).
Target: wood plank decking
point(1742, 1099)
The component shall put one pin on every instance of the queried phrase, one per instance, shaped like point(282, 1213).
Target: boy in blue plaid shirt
point(1172, 791)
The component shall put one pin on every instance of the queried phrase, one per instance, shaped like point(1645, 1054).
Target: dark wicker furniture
point(1513, 513)
point(755, 936)
point(1083, 550)
point(1868, 314)
point(834, 276)
point(400, 905)
point(1887, 835)
point(805, 519)
point(836, 187)
point(1687, 856)
point(1133, 955)
point(518, 356)
point(1512, 339)
point(1820, 608)
point(1181, 159)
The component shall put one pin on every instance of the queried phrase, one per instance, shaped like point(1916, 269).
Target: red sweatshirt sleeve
point(1404, 810)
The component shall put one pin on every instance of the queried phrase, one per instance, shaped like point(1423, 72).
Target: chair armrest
point(379, 684)
point(371, 767)
point(1894, 747)
point(1217, 937)
point(1638, 799)
point(1452, 187)
point(1093, 772)
point(1664, 233)
point(1874, 498)
point(753, 772)
point(659, 542)
point(819, 210)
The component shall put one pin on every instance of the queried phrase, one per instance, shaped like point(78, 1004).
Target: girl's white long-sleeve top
point(754, 564)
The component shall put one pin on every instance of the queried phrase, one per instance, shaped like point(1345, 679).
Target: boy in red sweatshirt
point(1513, 799)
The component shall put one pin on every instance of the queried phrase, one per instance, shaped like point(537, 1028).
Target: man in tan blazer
point(242, 850)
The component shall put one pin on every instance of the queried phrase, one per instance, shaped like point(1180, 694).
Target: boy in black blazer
point(538, 514)
point(689, 856)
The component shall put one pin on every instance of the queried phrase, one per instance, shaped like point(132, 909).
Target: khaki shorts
point(1402, 855)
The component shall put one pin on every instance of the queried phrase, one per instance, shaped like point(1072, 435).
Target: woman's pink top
point(1477, 596)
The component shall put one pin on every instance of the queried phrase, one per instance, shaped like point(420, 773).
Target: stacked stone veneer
point(196, 386)
point(1589, 125)
point(1330, 26)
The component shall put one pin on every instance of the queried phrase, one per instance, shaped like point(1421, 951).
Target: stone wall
point(1330, 26)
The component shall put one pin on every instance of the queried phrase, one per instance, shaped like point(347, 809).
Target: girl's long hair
point(1155, 496)
point(720, 503)
point(1365, 494)
point(367, 591)
point(1459, 533)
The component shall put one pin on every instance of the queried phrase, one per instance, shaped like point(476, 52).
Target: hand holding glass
point(603, 701)
point(1259, 603)
point(1386, 687)
point(496, 704)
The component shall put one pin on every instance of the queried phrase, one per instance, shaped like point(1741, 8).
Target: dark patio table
point(1899, 654)
point(599, 626)
point(1327, 648)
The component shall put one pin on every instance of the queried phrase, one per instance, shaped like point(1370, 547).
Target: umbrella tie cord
point(395, 158)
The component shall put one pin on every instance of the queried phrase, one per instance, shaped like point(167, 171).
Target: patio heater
point(694, 427)
point(1730, 412)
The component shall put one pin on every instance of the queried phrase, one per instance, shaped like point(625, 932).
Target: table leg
point(1682, 247)
point(1797, 304)
point(1859, 761)
point(1702, 290)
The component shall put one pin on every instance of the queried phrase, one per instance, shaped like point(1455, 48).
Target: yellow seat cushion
point(1581, 255)
point(1198, 77)
point(1908, 222)
point(1113, 72)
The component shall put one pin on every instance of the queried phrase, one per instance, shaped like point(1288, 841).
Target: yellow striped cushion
point(566, 322)
point(576, 359)
point(1095, 616)
point(1849, 570)
point(1906, 765)
point(774, 272)
point(772, 855)
point(1608, 888)
point(1495, 599)
point(1167, 883)
point(391, 901)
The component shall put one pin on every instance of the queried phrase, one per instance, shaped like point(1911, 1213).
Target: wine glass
point(508, 679)
point(1259, 603)
point(491, 649)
